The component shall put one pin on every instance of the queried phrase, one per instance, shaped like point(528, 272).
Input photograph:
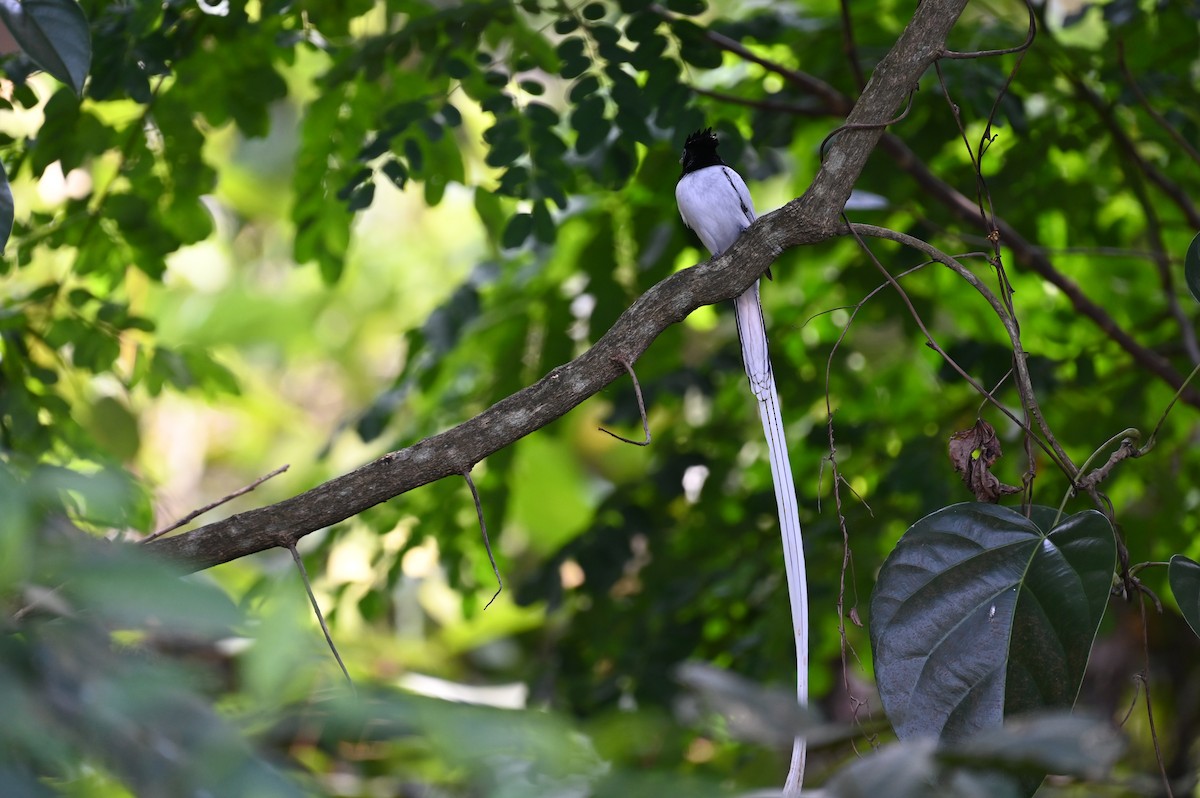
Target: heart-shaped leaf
point(1184, 577)
point(980, 613)
point(55, 34)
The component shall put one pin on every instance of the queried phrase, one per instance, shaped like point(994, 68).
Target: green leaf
point(532, 87)
point(54, 33)
point(396, 172)
point(980, 613)
point(583, 88)
point(687, 7)
point(1191, 267)
point(543, 223)
point(1183, 574)
point(589, 122)
point(694, 46)
point(361, 197)
point(487, 205)
point(518, 229)
point(114, 427)
point(451, 115)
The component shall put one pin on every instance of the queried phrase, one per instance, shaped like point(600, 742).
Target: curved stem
point(1128, 433)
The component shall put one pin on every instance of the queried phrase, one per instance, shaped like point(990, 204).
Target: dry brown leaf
point(973, 452)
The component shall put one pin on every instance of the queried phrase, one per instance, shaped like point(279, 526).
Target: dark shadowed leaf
point(1184, 576)
point(543, 223)
point(980, 613)
point(1008, 762)
point(905, 770)
point(1191, 267)
point(6, 210)
point(54, 33)
point(1059, 743)
point(517, 230)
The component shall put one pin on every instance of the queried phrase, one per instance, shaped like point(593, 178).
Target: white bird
point(715, 203)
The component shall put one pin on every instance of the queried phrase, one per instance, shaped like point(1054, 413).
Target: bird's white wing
point(715, 202)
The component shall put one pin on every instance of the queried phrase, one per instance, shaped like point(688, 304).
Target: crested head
point(700, 150)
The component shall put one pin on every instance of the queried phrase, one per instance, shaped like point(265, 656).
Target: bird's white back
point(715, 202)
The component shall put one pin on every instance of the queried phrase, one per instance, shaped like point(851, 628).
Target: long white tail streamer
point(752, 332)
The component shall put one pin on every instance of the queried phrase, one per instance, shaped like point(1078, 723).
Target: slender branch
point(1158, 757)
point(762, 104)
point(194, 514)
point(1021, 48)
point(1127, 438)
point(1180, 140)
point(1162, 261)
point(487, 544)
point(806, 82)
point(1153, 439)
point(867, 125)
point(637, 391)
point(850, 48)
point(1169, 187)
point(317, 609)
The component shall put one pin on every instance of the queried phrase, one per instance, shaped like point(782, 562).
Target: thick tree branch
point(811, 218)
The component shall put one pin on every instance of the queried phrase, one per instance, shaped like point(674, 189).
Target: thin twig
point(762, 104)
point(1127, 449)
point(194, 514)
point(1162, 768)
point(837, 101)
point(951, 54)
point(867, 125)
point(487, 544)
point(637, 391)
point(1161, 419)
point(317, 609)
point(1159, 256)
point(1175, 135)
point(850, 48)
point(1138, 681)
point(1166, 185)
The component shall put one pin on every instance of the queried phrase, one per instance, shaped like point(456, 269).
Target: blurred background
point(311, 233)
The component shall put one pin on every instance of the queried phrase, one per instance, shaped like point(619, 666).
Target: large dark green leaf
point(980, 613)
point(1191, 267)
point(1184, 577)
point(54, 33)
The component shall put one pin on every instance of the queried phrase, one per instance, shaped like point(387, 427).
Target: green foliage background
point(312, 232)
